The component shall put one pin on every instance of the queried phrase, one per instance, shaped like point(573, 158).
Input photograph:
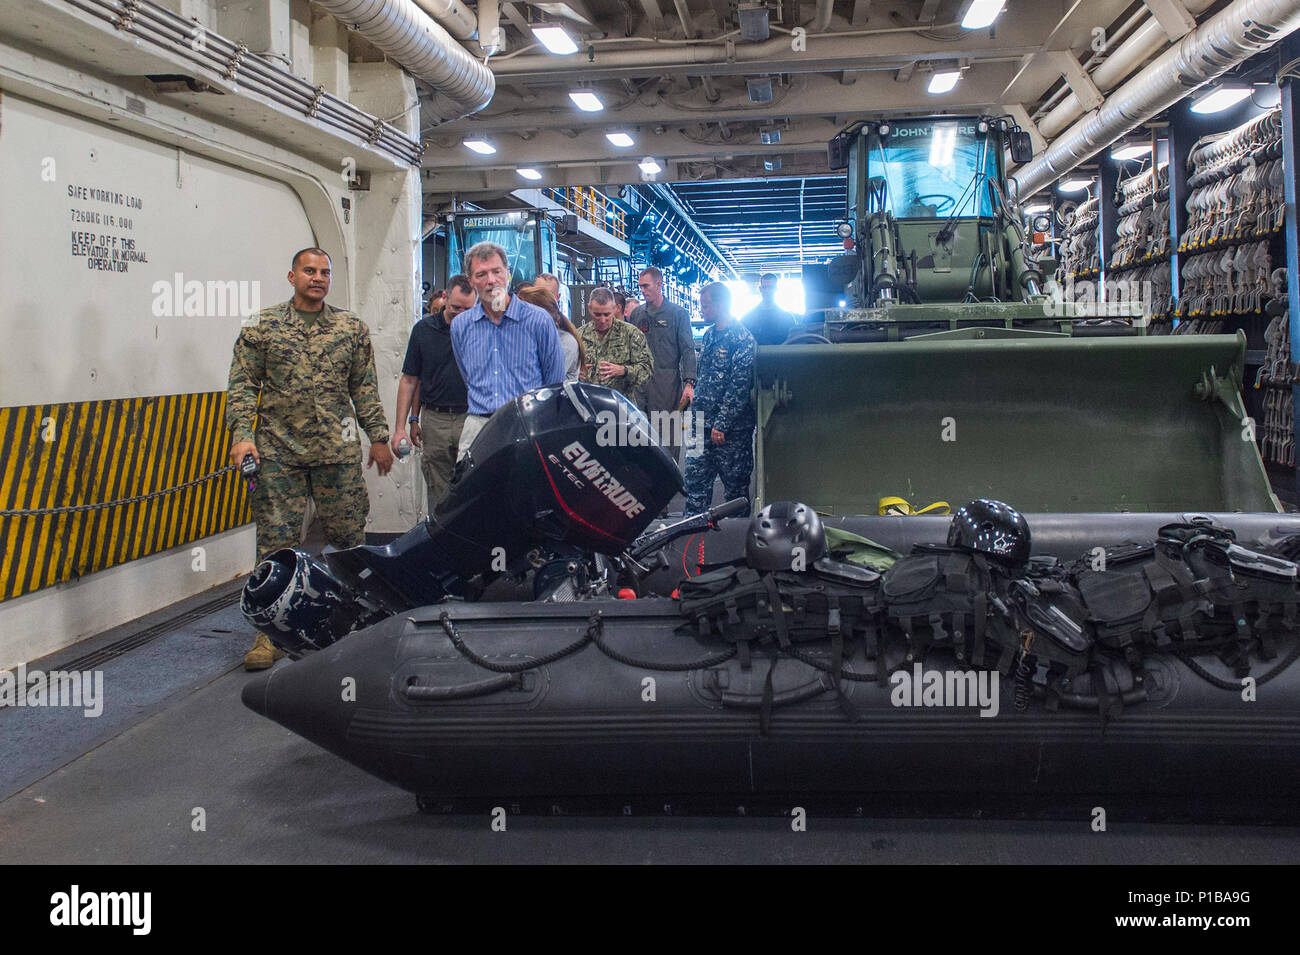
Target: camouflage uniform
point(623, 344)
point(318, 390)
point(723, 401)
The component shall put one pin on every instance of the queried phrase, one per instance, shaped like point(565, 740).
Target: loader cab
point(527, 235)
point(932, 177)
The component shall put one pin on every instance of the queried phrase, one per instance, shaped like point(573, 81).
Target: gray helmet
point(783, 535)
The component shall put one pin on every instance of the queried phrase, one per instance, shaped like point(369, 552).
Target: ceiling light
point(529, 173)
point(556, 40)
point(1220, 99)
point(981, 14)
point(760, 89)
point(1036, 208)
point(480, 146)
point(944, 82)
point(769, 135)
point(1074, 185)
point(771, 165)
point(620, 139)
point(650, 167)
point(1131, 151)
point(587, 101)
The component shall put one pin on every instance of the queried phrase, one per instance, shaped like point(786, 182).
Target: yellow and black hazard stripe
point(100, 452)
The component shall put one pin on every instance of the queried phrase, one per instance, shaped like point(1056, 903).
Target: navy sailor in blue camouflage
point(724, 405)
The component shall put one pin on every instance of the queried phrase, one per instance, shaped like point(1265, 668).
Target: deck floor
point(174, 738)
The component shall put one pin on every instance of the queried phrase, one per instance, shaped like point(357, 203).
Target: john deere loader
point(947, 366)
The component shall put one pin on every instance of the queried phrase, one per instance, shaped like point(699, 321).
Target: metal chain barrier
point(39, 511)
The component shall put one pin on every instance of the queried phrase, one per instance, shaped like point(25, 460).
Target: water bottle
point(403, 448)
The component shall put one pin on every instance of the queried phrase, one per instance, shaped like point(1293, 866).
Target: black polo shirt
point(429, 357)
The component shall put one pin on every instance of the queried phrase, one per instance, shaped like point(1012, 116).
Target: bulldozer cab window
point(934, 169)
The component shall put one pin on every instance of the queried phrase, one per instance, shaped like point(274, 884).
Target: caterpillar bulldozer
point(942, 361)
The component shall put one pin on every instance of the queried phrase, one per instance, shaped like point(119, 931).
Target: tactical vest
point(832, 600)
point(1193, 590)
point(944, 597)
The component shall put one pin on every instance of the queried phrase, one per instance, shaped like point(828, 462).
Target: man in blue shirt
point(503, 346)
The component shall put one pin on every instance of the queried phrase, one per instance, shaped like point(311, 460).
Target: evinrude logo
point(946, 688)
point(76, 688)
point(74, 908)
point(602, 480)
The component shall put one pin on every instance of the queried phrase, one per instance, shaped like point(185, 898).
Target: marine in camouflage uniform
point(314, 371)
point(319, 389)
point(619, 344)
point(723, 406)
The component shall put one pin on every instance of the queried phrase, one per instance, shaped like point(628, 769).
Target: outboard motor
point(573, 464)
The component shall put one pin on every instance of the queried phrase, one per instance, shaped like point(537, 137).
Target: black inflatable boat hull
point(402, 702)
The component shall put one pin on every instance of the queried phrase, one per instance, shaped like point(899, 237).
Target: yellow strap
point(899, 507)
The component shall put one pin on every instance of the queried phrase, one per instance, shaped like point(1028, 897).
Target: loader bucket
point(1046, 424)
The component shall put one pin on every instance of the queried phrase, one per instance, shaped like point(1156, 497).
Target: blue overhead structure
point(767, 225)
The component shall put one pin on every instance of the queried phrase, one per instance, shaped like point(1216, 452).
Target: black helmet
point(777, 530)
point(992, 528)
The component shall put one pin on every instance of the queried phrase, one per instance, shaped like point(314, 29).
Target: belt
point(447, 409)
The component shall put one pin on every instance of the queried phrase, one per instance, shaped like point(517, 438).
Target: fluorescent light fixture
point(1220, 99)
point(556, 40)
point(1132, 151)
point(1075, 185)
point(1036, 208)
point(981, 14)
point(587, 101)
point(943, 142)
point(944, 82)
point(622, 140)
point(480, 146)
point(528, 173)
point(650, 167)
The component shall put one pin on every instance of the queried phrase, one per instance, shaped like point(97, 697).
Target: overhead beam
point(1079, 81)
point(462, 185)
point(684, 15)
point(551, 148)
point(654, 15)
point(1014, 39)
point(1021, 115)
point(860, 10)
point(1173, 18)
point(812, 94)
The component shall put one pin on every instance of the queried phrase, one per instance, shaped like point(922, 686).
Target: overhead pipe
point(458, 19)
point(1232, 36)
point(422, 47)
point(1145, 41)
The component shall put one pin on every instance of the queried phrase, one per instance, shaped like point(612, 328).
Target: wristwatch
point(688, 381)
point(414, 419)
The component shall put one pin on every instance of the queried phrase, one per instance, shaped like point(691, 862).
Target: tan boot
point(262, 655)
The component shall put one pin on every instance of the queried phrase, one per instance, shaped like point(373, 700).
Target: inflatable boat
point(1144, 654)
